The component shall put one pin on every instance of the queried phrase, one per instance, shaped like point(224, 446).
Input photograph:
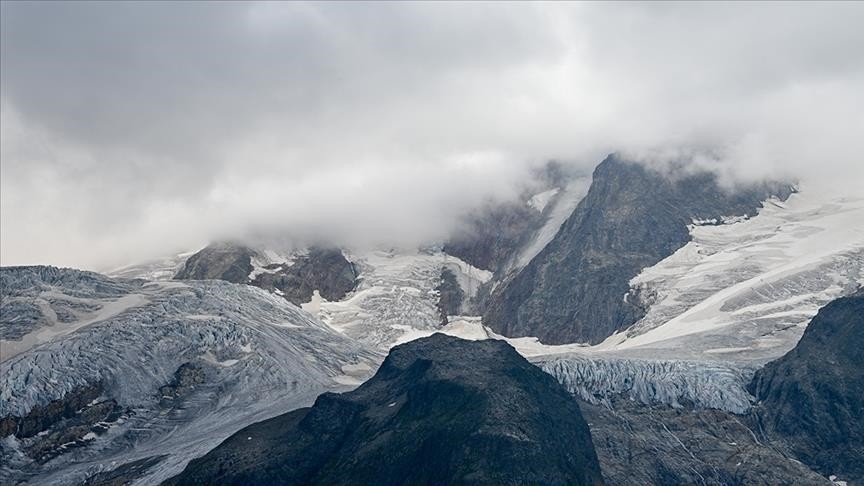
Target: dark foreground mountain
point(631, 218)
point(813, 396)
point(440, 410)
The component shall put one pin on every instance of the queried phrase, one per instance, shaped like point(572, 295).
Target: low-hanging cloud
point(135, 129)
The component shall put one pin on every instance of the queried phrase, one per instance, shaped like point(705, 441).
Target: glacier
point(396, 295)
point(677, 383)
point(261, 356)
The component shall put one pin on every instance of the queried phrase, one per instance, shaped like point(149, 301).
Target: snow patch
point(562, 208)
point(750, 287)
point(541, 200)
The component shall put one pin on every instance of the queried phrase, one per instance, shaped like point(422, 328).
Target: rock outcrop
point(450, 295)
point(494, 234)
point(440, 410)
point(219, 261)
point(813, 397)
point(323, 269)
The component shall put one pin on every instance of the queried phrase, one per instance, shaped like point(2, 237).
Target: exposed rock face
point(219, 261)
point(323, 269)
point(641, 445)
point(124, 474)
point(450, 295)
point(631, 218)
point(185, 379)
point(41, 418)
point(440, 410)
point(62, 424)
point(813, 396)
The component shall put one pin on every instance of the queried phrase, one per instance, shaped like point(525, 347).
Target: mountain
point(813, 397)
point(99, 373)
point(631, 218)
point(440, 410)
point(295, 277)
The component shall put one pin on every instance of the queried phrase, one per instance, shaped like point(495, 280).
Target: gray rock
point(642, 445)
point(219, 261)
point(323, 269)
point(124, 474)
point(450, 295)
point(813, 397)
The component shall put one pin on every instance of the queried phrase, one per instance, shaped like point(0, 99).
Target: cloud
point(133, 129)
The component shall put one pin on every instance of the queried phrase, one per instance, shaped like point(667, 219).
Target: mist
point(133, 130)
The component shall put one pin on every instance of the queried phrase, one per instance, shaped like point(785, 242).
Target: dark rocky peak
point(813, 397)
point(440, 410)
point(631, 218)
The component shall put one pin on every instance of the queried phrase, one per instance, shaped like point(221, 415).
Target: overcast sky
point(131, 130)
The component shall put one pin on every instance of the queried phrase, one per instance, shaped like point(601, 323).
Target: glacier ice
point(396, 295)
point(746, 290)
point(262, 355)
point(701, 384)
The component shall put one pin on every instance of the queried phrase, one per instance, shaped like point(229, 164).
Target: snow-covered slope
point(396, 295)
point(564, 202)
point(157, 269)
point(746, 290)
point(254, 355)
